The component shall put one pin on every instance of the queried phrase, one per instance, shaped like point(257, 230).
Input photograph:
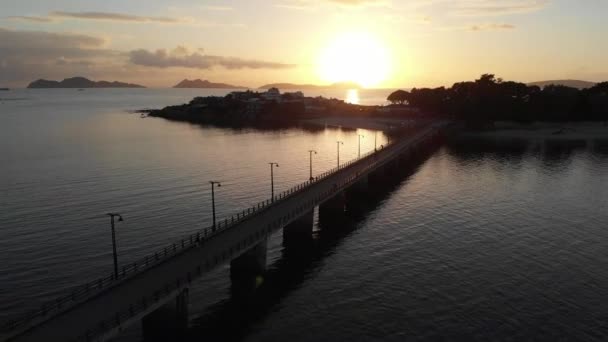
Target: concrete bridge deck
point(100, 309)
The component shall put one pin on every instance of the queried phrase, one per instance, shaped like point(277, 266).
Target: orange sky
point(379, 43)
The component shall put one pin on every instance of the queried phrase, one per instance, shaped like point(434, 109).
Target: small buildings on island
point(272, 105)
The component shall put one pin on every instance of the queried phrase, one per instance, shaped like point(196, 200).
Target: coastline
point(370, 123)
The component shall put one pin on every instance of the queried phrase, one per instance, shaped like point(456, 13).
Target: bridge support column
point(299, 229)
point(362, 186)
point(333, 209)
point(404, 158)
point(169, 322)
point(392, 168)
point(378, 177)
point(246, 271)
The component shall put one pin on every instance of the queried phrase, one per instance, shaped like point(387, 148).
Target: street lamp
point(272, 165)
point(375, 140)
point(339, 143)
point(360, 136)
point(311, 152)
point(213, 183)
point(120, 219)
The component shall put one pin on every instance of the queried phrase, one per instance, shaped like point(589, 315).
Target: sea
point(479, 240)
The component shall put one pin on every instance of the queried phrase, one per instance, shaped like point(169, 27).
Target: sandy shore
point(380, 124)
point(545, 131)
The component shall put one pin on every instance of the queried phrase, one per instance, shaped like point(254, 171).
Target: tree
point(399, 97)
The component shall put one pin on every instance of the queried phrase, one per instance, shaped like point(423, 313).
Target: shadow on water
point(233, 319)
point(552, 153)
point(255, 126)
point(505, 151)
point(600, 148)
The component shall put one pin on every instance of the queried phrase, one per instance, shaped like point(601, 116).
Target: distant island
point(268, 109)
point(578, 84)
point(291, 86)
point(198, 83)
point(80, 82)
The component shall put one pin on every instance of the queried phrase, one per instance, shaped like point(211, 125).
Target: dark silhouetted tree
point(399, 97)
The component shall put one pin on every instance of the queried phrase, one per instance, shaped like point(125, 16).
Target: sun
point(355, 57)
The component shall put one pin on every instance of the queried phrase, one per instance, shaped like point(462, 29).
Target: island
point(266, 110)
point(292, 86)
point(204, 84)
point(5, 89)
point(80, 82)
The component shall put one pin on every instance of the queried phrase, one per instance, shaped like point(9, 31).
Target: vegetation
point(490, 99)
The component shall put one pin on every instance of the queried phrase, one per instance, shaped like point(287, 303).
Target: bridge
point(154, 289)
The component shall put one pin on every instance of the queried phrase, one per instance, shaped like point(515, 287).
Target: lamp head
point(120, 219)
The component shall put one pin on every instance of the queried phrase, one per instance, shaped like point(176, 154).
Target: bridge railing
point(87, 290)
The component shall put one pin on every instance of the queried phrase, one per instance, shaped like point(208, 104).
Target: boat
point(80, 89)
point(5, 89)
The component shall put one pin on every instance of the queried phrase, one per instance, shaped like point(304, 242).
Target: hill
point(569, 83)
point(339, 85)
point(205, 84)
point(80, 82)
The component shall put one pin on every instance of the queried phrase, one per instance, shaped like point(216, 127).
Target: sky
point(377, 43)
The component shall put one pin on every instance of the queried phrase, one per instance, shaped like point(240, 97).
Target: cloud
point(183, 57)
point(31, 18)
point(356, 2)
point(486, 27)
point(28, 55)
point(11, 41)
point(113, 17)
point(217, 8)
point(101, 16)
point(312, 4)
point(479, 8)
point(497, 7)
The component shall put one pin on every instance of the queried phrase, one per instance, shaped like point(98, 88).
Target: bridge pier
point(246, 271)
point(362, 186)
point(299, 229)
point(378, 177)
point(169, 322)
point(332, 210)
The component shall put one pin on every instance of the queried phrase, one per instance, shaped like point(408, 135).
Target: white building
point(272, 94)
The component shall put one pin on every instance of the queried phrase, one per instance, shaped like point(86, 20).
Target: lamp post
point(339, 143)
point(120, 219)
point(213, 183)
point(360, 136)
point(375, 140)
point(311, 152)
point(272, 165)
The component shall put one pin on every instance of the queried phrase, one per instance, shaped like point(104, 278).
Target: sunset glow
point(355, 57)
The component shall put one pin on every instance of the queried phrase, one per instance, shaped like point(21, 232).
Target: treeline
point(490, 99)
